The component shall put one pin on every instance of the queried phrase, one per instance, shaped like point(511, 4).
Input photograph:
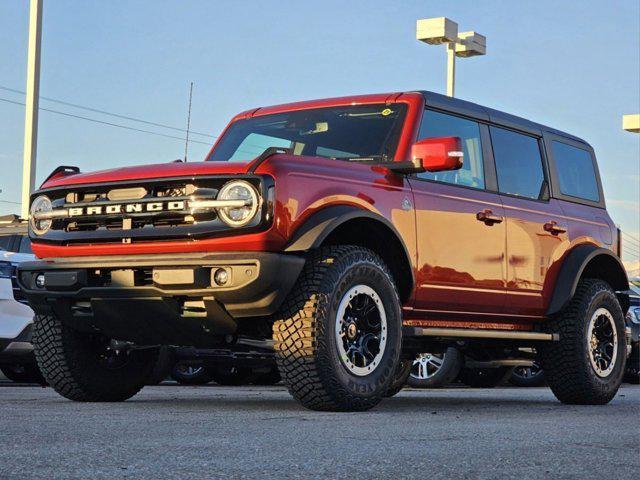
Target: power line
point(105, 123)
point(630, 237)
point(104, 112)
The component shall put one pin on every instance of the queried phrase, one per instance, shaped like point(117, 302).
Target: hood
point(142, 172)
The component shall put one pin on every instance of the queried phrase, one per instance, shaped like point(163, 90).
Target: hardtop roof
point(498, 117)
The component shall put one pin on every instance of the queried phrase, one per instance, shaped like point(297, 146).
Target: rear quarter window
point(575, 170)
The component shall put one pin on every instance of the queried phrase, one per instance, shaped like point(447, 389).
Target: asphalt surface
point(170, 431)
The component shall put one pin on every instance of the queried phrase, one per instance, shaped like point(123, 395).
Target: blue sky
point(572, 65)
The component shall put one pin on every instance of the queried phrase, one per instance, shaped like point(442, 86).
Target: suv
point(344, 235)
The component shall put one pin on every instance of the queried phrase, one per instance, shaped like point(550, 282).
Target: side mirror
point(439, 154)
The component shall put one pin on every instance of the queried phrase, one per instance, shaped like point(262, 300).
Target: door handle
point(488, 217)
point(553, 228)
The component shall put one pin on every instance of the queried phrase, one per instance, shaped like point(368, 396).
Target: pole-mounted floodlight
point(631, 123)
point(441, 30)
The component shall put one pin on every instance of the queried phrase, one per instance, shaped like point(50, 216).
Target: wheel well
point(379, 238)
point(604, 267)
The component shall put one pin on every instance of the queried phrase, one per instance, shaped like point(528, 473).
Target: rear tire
point(586, 366)
point(485, 377)
point(81, 367)
point(338, 334)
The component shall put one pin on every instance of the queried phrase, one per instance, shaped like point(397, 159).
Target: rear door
point(460, 226)
point(536, 228)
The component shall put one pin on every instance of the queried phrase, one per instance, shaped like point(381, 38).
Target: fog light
point(221, 277)
point(40, 280)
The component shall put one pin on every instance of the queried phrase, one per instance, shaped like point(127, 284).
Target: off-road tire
point(304, 331)
point(71, 366)
point(399, 378)
point(485, 377)
point(566, 362)
point(23, 373)
point(453, 362)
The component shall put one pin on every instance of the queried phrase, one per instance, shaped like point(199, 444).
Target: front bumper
point(169, 299)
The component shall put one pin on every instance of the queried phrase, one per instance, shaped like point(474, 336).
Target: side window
point(576, 175)
point(518, 163)
point(435, 124)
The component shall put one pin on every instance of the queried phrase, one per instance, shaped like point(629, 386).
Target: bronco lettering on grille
point(127, 208)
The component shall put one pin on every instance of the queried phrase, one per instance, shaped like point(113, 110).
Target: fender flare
point(320, 225)
point(572, 269)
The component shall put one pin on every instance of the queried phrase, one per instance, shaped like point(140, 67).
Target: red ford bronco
point(341, 237)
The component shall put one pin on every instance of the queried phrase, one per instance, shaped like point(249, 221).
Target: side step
point(471, 333)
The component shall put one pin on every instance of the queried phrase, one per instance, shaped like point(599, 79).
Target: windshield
point(355, 132)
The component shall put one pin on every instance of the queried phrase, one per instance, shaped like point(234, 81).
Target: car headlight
point(41, 204)
point(634, 314)
point(239, 190)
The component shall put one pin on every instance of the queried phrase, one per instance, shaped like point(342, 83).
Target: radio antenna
point(186, 140)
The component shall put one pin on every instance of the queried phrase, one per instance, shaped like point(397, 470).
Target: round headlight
point(238, 190)
point(40, 204)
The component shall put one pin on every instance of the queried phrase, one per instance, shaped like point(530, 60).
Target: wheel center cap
point(352, 331)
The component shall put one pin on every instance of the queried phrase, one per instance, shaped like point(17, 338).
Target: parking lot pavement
point(170, 431)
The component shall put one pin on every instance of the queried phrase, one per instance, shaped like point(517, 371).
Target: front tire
point(84, 367)
point(586, 365)
point(338, 335)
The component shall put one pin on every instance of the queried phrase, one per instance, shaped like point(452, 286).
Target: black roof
point(471, 109)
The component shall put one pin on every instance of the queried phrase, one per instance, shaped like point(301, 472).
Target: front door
point(460, 228)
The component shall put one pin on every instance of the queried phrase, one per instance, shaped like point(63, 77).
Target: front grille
point(150, 210)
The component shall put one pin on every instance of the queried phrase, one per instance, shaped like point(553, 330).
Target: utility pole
point(442, 31)
point(451, 69)
point(31, 105)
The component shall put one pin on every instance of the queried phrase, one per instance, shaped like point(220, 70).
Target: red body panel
point(467, 273)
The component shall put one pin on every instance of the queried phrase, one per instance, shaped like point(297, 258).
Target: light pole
point(631, 123)
point(31, 105)
point(441, 30)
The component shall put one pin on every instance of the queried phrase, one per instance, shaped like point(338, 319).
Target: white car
point(17, 362)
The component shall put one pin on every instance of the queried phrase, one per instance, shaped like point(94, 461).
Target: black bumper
point(160, 299)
